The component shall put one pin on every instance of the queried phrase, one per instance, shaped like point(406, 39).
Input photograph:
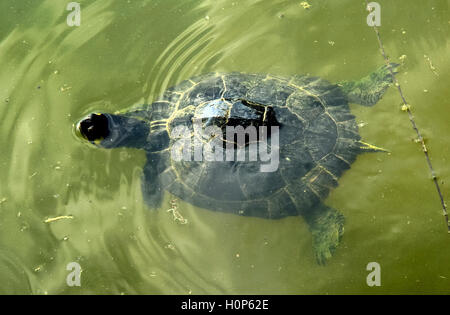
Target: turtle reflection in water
point(318, 141)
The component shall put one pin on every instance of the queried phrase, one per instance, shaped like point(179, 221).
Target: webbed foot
point(327, 228)
point(370, 89)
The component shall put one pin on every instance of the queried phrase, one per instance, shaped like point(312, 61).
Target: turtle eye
point(94, 127)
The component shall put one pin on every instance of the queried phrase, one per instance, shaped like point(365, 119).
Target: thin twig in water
point(407, 109)
point(49, 220)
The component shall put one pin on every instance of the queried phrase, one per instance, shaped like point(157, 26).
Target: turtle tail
point(362, 147)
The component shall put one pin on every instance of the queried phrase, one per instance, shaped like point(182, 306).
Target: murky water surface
point(126, 53)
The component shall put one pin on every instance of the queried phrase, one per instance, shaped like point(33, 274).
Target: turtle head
point(113, 131)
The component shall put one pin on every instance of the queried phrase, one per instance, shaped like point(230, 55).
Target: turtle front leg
point(370, 89)
point(327, 227)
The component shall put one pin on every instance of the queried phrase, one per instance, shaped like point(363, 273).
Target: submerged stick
point(407, 108)
point(49, 220)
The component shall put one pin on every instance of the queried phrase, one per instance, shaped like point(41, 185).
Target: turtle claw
point(385, 74)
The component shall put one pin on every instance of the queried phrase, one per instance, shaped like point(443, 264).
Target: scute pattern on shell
point(317, 144)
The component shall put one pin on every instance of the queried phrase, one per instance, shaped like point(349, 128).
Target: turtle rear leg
point(370, 89)
point(327, 227)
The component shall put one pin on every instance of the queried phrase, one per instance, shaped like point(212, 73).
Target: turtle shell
point(317, 136)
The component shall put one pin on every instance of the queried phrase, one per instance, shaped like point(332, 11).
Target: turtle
point(304, 121)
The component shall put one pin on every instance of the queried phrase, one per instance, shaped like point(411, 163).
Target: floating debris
point(430, 64)
point(58, 166)
point(176, 214)
point(170, 246)
point(305, 5)
point(402, 59)
point(24, 227)
point(49, 220)
point(331, 42)
point(65, 88)
point(3, 200)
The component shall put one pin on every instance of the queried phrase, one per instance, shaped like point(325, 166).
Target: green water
point(127, 52)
